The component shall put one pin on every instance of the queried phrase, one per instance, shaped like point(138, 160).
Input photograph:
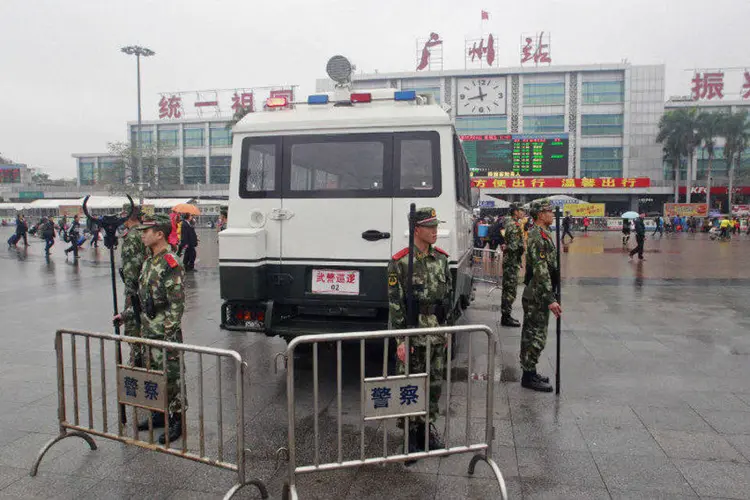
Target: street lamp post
point(138, 51)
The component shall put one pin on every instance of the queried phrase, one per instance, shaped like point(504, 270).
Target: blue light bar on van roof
point(317, 99)
point(405, 95)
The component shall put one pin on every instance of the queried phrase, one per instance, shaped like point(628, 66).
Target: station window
point(87, 172)
point(146, 137)
point(169, 138)
point(603, 92)
point(195, 170)
point(218, 171)
point(543, 124)
point(111, 171)
point(194, 137)
point(601, 162)
point(169, 171)
point(220, 136)
point(601, 124)
point(484, 125)
point(544, 94)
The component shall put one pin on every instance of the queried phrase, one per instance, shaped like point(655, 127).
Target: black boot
point(416, 440)
point(541, 378)
point(157, 418)
point(529, 380)
point(174, 430)
point(436, 442)
point(508, 320)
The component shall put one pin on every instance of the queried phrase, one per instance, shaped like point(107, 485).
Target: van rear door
point(337, 206)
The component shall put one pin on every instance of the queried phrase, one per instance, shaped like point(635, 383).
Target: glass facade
point(195, 170)
point(169, 171)
point(543, 124)
point(601, 162)
point(87, 172)
point(481, 125)
point(603, 92)
point(544, 94)
point(146, 137)
point(220, 136)
point(219, 169)
point(601, 124)
point(194, 138)
point(111, 171)
point(169, 138)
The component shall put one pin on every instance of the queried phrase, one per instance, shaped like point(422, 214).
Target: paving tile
point(724, 401)
point(721, 479)
point(740, 443)
point(196, 495)
point(11, 474)
point(674, 419)
point(651, 495)
point(368, 484)
point(629, 441)
point(458, 465)
point(474, 488)
point(728, 422)
point(641, 473)
point(542, 490)
point(49, 486)
point(562, 434)
point(697, 446)
point(572, 468)
point(121, 489)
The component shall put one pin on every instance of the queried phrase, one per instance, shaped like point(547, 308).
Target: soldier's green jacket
point(541, 260)
point(432, 284)
point(513, 237)
point(161, 281)
point(134, 252)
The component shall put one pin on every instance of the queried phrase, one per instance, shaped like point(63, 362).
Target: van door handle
point(375, 235)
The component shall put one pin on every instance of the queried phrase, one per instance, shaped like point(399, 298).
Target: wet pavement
point(655, 398)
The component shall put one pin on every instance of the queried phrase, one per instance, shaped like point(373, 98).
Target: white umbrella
point(630, 215)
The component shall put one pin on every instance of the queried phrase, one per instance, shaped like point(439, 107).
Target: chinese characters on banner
point(746, 85)
point(386, 397)
point(536, 48)
point(225, 102)
point(481, 53)
point(242, 100)
point(432, 50)
point(708, 86)
point(560, 182)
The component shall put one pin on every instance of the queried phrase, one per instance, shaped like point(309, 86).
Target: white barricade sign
point(143, 388)
point(395, 396)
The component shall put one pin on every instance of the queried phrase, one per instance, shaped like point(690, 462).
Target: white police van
point(319, 200)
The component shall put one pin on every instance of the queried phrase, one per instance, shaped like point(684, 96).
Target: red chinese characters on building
point(478, 52)
point(433, 41)
point(708, 85)
point(536, 50)
point(243, 100)
point(562, 182)
point(746, 86)
point(170, 107)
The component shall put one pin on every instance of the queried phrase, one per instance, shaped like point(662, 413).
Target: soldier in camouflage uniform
point(133, 254)
point(512, 255)
point(539, 296)
point(432, 287)
point(162, 299)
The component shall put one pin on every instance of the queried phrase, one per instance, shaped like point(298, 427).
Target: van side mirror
point(474, 197)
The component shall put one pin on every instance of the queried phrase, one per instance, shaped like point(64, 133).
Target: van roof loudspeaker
point(340, 70)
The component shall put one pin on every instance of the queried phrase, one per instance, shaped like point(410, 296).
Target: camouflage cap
point(540, 206)
point(151, 220)
point(426, 216)
point(514, 206)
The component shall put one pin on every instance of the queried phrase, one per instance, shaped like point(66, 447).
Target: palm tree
point(709, 127)
point(737, 137)
point(672, 138)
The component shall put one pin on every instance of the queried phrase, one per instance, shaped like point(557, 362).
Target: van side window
point(417, 165)
point(259, 167)
point(463, 179)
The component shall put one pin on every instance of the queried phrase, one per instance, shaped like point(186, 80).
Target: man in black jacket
point(640, 237)
point(189, 241)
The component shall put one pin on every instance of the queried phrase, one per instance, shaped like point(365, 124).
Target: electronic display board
point(10, 175)
point(516, 155)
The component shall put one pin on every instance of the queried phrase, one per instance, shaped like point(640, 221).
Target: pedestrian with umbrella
point(640, 233)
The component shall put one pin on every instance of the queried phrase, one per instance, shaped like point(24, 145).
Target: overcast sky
point(66, 88)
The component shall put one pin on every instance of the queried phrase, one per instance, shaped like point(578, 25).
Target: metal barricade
point(374, 397)
point(487, 267)
point(145, 389)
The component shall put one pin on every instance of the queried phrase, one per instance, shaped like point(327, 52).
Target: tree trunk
point(677, 180)
point(730, 191)
point(708, 184)
point(689, 175)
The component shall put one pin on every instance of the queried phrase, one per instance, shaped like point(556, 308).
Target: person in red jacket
point(174, 238)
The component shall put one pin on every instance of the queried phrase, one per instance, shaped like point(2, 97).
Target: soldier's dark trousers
point(418, 364)
point(533, 333)
point(510, 283)
point(639, 239)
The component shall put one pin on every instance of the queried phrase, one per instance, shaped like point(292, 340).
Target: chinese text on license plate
point(335, 281)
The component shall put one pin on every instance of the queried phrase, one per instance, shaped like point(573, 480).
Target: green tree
point(737, 138)
point(678, 133)
point(710, 126)
point(39, 177)
point(239, 114)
